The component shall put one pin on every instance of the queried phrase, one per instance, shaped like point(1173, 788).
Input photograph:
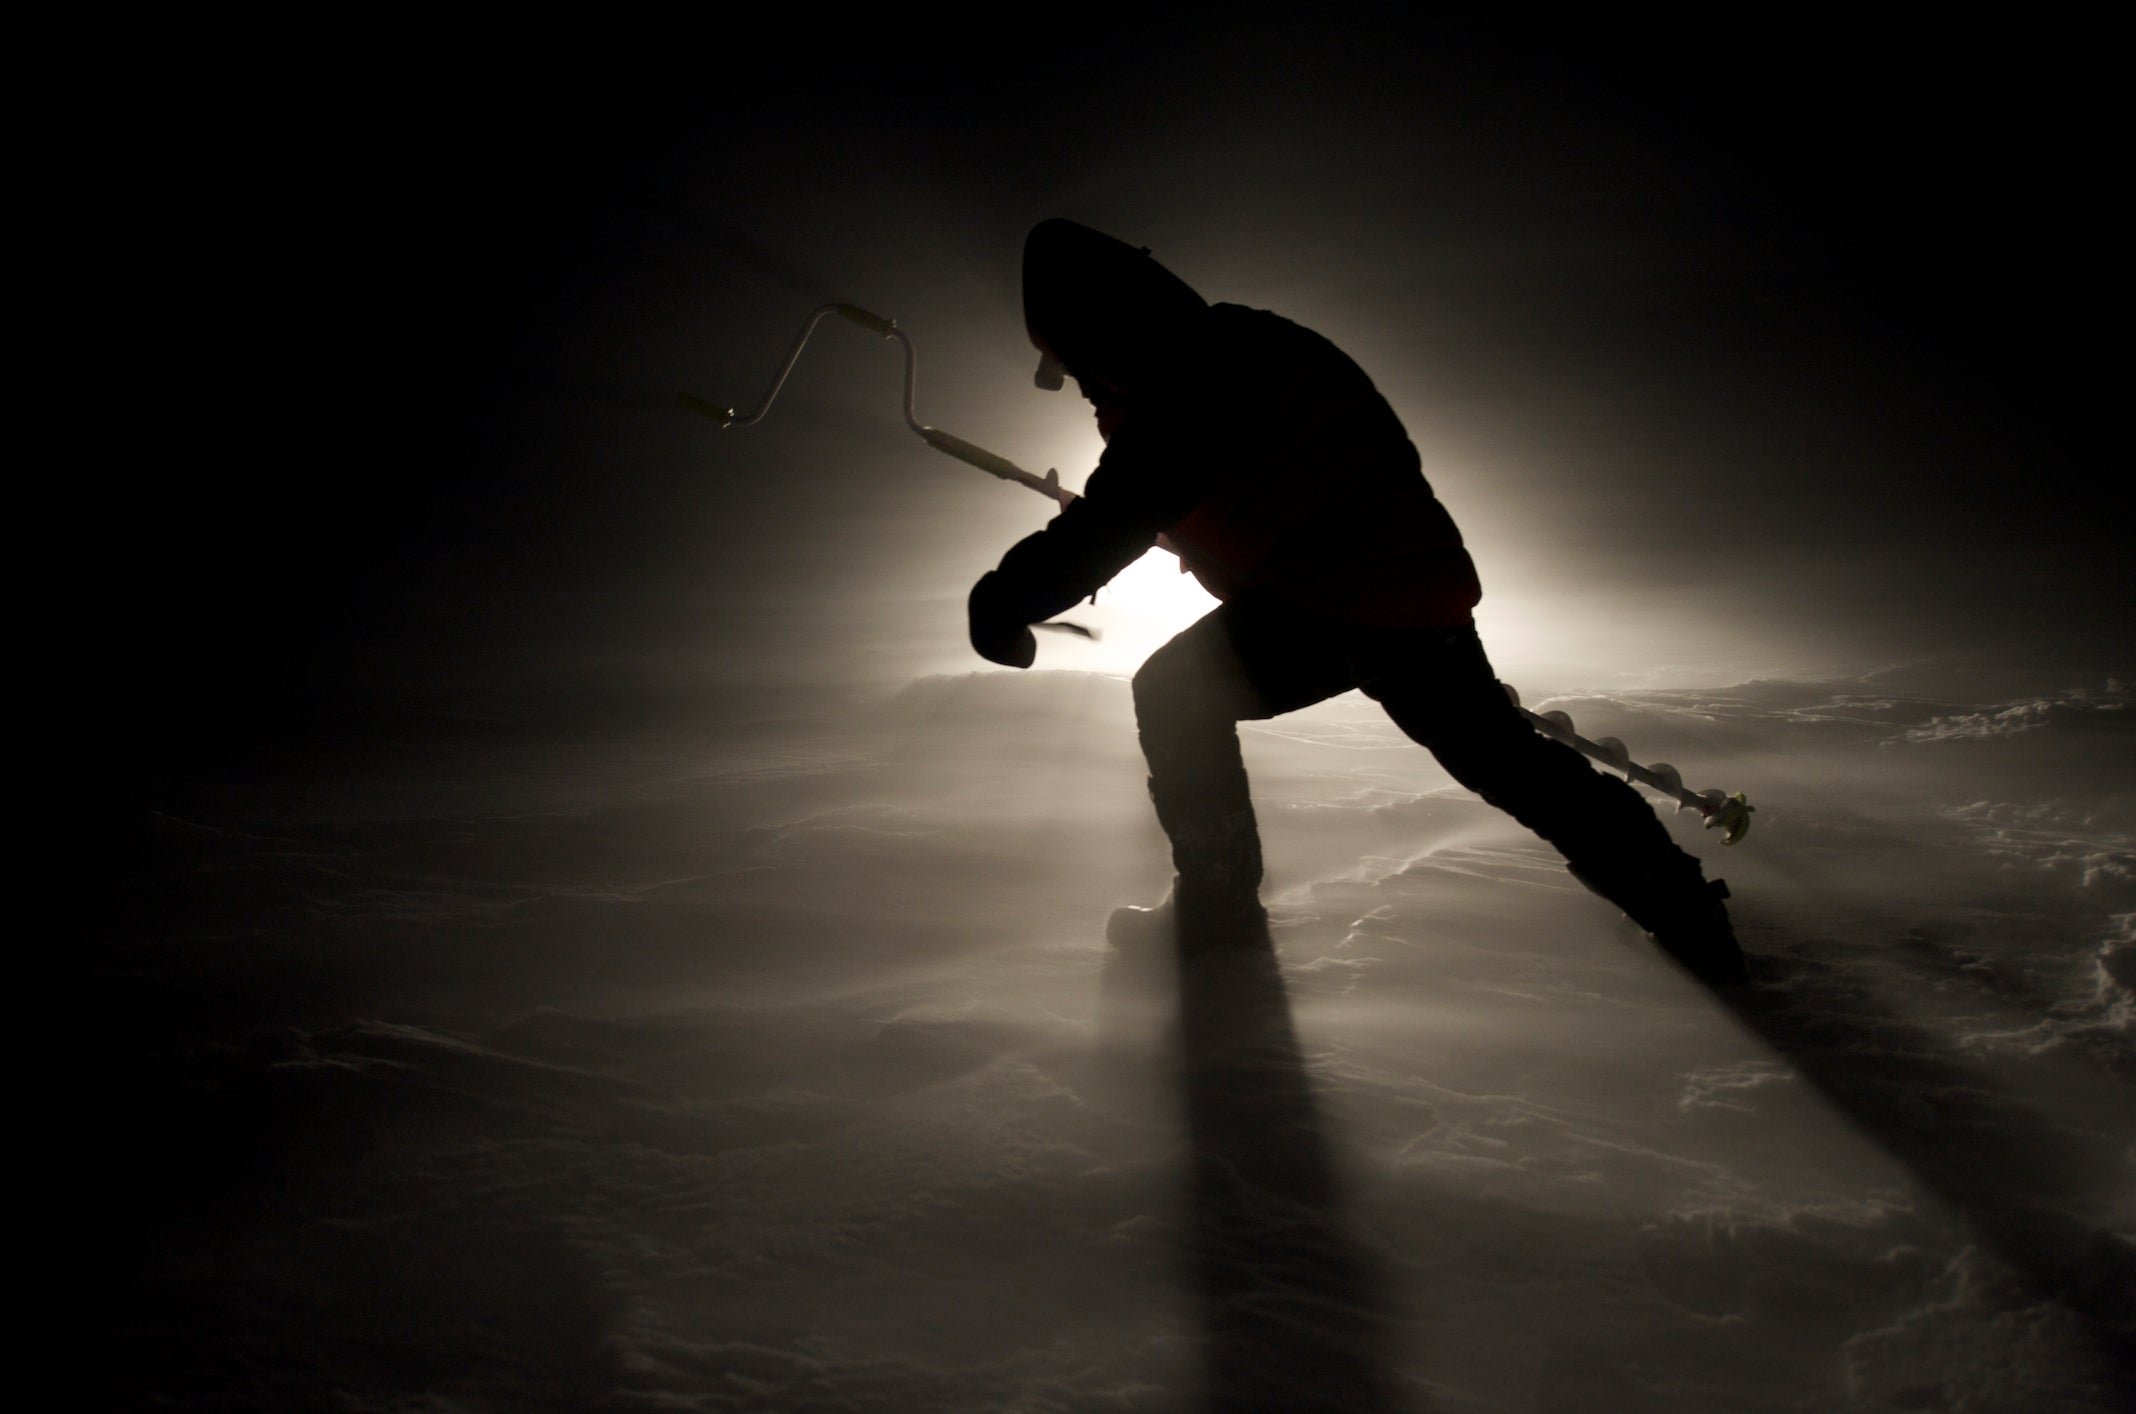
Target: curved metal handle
point(875, 323)
point(941, 441)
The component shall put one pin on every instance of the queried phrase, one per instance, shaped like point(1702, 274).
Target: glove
point(999, 633)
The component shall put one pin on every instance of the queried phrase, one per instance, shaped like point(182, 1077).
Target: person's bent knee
point(1166, 685)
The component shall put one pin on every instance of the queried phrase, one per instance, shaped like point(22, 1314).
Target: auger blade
point(1731, 816)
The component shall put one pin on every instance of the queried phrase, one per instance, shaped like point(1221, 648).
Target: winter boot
point(1684, 913)
point(1192, 916)
point(1215, 895)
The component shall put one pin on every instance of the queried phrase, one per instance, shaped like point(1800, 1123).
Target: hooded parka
point(1255, 446)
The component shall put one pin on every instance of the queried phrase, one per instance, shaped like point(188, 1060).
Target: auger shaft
point(1728, 813)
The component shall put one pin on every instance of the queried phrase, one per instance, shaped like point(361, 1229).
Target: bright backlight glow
point(1143, 606)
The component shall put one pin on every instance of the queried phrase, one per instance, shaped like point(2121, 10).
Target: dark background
point(352, 302)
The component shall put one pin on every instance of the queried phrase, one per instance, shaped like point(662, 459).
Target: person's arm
point(1048, 573)
point(1156, 467)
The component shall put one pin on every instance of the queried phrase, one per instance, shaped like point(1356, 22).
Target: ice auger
point(1729, 813)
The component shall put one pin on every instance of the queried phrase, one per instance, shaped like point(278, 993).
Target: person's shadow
point(2014, 1178)
point(1294, 1312)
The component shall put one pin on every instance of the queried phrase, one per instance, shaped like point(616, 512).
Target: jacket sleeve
point(1080, 549)
point(1044, 574)
point(1155, 470)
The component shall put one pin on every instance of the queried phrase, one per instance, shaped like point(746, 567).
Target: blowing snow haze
point(549, 915)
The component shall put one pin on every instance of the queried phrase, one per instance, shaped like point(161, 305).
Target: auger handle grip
point(873, 323)
point(704, 408)
point(972, 455)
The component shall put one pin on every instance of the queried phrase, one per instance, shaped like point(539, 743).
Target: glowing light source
point(1145, 604)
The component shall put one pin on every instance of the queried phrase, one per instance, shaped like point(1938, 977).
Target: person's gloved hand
point(999, 632)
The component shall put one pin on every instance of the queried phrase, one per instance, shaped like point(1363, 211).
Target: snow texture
point(777, 1062)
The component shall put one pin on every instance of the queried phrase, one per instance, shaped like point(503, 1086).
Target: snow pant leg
point(1189, 697)
point(1233, 665)
point(1443, 694)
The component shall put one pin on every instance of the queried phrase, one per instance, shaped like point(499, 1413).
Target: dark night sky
point(404, 337)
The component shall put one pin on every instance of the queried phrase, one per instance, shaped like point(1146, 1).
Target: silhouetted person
point(1288, 486)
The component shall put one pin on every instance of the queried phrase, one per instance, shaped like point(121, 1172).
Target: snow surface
point(768, 1055)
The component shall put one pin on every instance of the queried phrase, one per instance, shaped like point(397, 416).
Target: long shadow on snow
point(1294, 1313)
point(2011, 1177)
